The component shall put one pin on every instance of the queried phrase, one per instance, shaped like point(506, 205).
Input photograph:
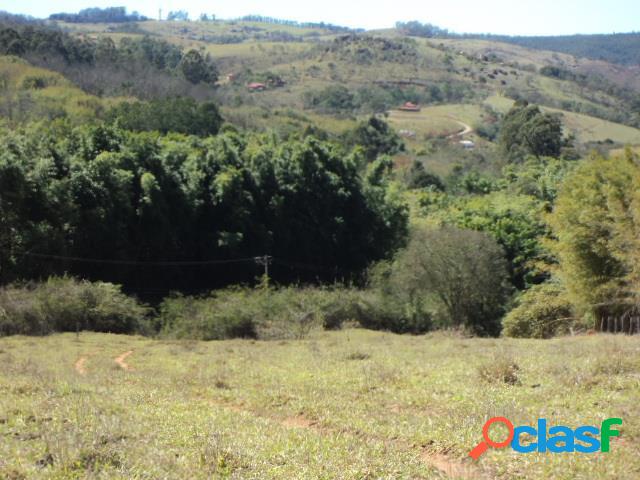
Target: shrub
point(258, 313)
point(220, 316)
point(21, 313)
point(461, 273)
point(37, 82)
point(419, 177)
point(389, 309)
point(65, 304)
point(500, 370)
point(542, 312)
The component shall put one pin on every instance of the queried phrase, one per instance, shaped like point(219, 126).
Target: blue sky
point(513, 17)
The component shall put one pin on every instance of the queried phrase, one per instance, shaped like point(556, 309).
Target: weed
point(500, 370)
point(358, 356)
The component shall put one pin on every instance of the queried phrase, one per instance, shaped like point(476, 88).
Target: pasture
point(352, 404)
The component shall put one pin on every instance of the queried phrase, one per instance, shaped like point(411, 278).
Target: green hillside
point(377, 72)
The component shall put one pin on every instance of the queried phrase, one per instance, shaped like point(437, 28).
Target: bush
point(390, 305)
point(419, 177)
point(262, 313)
point(542, 312)
point(21, 313)
point(37, 82)
point(460, 273)
point(500, 370)
point(65, 304)
point(220, 316)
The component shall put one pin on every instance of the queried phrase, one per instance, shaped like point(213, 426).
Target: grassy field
point(350, 404)
point(584, 127)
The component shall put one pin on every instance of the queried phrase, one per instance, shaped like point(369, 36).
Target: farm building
point(410, 107)
point(468, 144)
point(257, 87)
point(407, 133)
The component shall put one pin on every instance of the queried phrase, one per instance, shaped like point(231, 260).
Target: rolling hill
point(378, 71)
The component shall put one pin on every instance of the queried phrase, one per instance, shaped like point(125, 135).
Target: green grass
point(349, 404)
point(428, 123)
point(584, 127)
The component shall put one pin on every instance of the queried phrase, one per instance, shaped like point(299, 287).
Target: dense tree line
point(113, 196)
point(596, 225)
point(369, 50)
point(416, 29)
point(338, 99)
point(293, 23)
point(181, 115)
point(99, 15)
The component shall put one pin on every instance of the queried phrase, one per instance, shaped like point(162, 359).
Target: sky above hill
point(511, 17)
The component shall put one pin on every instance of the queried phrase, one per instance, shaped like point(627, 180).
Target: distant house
point(407, 133)
point(410, 107)
point(257, 87)
point(468, 144)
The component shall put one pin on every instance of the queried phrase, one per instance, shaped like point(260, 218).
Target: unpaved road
point(121, 360)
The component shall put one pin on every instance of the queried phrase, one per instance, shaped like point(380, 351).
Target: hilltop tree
point(178, 15)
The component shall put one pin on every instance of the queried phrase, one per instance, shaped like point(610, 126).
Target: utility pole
point(264, 260)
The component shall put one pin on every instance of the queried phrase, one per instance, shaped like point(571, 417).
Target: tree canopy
point(115, 198)
point(464, 271)
point(596, 223)
point(527, 131)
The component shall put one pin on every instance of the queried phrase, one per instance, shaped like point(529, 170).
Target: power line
point(139, 263)
point(262, 260)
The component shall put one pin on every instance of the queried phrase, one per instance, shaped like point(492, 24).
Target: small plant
point(500, 370)
point(221, 384)
point(358, 356)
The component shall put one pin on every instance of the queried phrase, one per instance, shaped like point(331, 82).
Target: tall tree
point(526, 130)
point(464, 270)
point(597, 224)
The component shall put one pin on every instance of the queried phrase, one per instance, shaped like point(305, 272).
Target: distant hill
point(320, 74)
point(620, 48)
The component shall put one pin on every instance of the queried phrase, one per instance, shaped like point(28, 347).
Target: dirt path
point(466, 129)
point(79, 365)
point(451, 467)
point(121, 360)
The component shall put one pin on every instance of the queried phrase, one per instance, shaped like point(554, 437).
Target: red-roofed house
point(257, 87)
point(410, 107)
